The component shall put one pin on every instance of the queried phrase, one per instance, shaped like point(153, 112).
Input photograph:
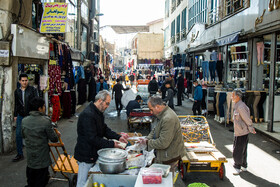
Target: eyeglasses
point(107, 103)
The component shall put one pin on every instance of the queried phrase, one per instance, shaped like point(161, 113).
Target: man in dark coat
point(92, 131)
point(180, 87)
point(117, 89)
point(37, 130)
point(23, 95)
point(153, 86)
point(170, 94)
point(133, 104)
point(198, 94)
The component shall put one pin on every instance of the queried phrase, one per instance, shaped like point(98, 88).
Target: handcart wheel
point(183, 170)
point(222, 172)
point(73, 180)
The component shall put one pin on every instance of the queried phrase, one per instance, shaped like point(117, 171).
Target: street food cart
point(202, 154)
point(140, 117)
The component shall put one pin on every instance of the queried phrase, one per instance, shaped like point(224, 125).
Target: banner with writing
point(54, 18)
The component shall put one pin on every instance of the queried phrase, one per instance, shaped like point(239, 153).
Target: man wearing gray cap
point(243, 125)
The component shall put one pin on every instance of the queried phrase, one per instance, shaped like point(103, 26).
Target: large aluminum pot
point(112, 160)
point(112, 167)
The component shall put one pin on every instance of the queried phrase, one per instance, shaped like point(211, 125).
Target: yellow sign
point(52, 62)
point(54, 18)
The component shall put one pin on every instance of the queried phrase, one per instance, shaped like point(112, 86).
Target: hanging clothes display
point(56, 108)
point(66, 104)
point(54, 73)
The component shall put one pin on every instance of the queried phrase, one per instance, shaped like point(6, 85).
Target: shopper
point(23, 95)
point(93, 135)
point(170, 95)
point(102, 85)
point(243, 125)
point(153, 86)
point(37, 131)
point(180, 87)
point(197, 98)
point(166, 138)
point(91, 83)
point(117, 89)
point(133, 104)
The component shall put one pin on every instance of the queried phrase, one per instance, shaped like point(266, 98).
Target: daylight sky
point(130, 12)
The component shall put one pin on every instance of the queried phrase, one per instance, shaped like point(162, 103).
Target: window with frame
point(173, 32)
point(173, 6)
point(232, 6)
point(166, 37)
point(197, 12)
point(71, 31)
point(178, 28)
point(167, 7)
point(84, 10)
point(183, 23)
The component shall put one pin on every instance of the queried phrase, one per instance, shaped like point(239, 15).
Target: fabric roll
point(73, 101)
point(66, 104)
point(217, 103)
point(56, 108)
point(255, 104)
point(222, 100)
point(260, 105)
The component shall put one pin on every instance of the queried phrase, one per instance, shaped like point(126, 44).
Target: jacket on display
point(166, 138)
point(91, 130)
point(22, 108)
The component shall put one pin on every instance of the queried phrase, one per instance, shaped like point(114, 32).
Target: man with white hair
point(243, 125)
point(91, 130)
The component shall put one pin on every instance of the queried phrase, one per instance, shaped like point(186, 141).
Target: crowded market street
point(263, 161)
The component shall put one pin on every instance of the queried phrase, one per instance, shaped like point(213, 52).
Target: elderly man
point(166, 138)
point(242, 127)
point(91, 130)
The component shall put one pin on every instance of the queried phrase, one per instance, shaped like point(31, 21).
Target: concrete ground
point(263, 159)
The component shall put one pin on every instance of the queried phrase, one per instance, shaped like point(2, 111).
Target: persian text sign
point(54, 18)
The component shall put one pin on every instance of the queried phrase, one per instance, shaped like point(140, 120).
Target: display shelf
point(242, 52)
point(238, 69)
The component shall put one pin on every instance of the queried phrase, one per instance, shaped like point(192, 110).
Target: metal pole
point(2, 74)
point(272, 82)
point(79, 25)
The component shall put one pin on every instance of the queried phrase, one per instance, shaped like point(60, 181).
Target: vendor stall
point(202, 154)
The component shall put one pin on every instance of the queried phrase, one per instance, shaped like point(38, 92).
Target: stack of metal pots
point(112, 160)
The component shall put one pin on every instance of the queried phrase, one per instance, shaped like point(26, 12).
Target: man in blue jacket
point(197, 98)
point(93, 135)
point(102, 85)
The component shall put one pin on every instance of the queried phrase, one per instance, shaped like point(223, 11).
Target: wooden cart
point(201, 153)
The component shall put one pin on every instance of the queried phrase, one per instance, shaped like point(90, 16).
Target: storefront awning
point(228, 39)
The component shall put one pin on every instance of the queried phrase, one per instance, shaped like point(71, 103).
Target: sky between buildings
point(130, 12)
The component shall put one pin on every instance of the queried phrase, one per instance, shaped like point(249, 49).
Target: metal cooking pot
point(112, 168)
point(112, 160)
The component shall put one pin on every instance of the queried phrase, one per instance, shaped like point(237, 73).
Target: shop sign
point(4, 53)
point(54, 18)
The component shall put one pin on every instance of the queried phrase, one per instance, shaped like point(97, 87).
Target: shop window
point(265, 59)
point(238, 65)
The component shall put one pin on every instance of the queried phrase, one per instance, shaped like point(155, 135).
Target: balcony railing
point(178, 37)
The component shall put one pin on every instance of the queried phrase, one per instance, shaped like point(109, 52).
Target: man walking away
point(133, 104)
point(243, 125)
point(117, 89)
point(23, 95)
point(170, 94)
point(37, 131)
point(197, 98)
point(153, 86)
point(93, 135)
point(180, 87)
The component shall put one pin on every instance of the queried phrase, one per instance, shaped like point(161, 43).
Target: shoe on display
point(18, 158)
point(243, 169)
point(222, 120)
point(236, 171)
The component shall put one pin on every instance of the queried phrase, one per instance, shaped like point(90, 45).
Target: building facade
point(24, 46)
point(244, 34)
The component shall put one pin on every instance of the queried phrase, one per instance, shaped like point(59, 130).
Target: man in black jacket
point(133, 104)
point(91, 130)
point(117, 89)
point(180, 87)
point(153, 86)
point(170, 94)
point(23, 95)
